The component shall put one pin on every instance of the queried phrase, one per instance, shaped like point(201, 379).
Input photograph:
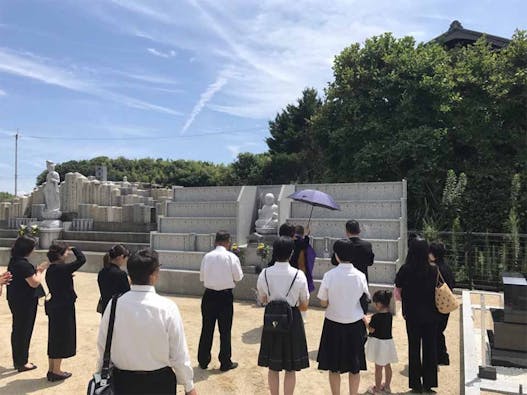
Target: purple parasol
point(315, 198)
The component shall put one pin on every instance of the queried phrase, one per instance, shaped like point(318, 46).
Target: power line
point(163, 137)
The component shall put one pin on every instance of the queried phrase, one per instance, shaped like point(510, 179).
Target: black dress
point(62, 328)
point(23, 300)
point(112, 281)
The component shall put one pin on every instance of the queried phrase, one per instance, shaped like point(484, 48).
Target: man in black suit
point(363, 255)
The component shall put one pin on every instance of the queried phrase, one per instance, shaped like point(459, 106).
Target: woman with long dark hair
point(437, 256)
point(60, 308)
point(22, 296)
point(417, 280)
point(111, 279)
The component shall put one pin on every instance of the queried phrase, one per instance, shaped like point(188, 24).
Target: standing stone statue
point(51, 193)
point(267, 222)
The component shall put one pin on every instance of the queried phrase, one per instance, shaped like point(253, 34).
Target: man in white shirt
point(220, 271)
point(148, 343)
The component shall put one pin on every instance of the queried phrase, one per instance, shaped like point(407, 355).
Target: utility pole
point(16, 162)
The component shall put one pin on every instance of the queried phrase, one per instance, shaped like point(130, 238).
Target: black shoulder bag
point(278, 315)
point(101, 384)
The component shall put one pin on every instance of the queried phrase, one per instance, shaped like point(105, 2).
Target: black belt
point(223, 291)
point(143, 371)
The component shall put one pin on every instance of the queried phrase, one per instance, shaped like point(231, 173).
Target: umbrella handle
point(310, 214)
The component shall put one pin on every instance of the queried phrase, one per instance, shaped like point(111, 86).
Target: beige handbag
point(446, 301)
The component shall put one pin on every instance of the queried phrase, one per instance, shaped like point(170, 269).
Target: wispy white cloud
point(235, 149)
point(168, 54)
point(205, 97)
point(29, 66)
point(3, 93)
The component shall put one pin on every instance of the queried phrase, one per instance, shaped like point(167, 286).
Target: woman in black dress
point(111, 279)
point(22, 295)
point(416, 280)
point(60, 308)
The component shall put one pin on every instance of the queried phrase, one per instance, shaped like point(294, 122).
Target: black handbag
point(101, 383)
point(278, 315)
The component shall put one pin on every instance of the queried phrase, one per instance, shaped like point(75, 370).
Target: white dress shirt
point(343, 287)
point(220, 269)
point(280, 276)
point(147, 335)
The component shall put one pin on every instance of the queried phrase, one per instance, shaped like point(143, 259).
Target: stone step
point(7, 241)
point(370, 228)
point(186, 282)
point(207, 194)
point(359, 191)
point(202, 209)
point(379, 272)
point(115, 237)
point(384, 250)
point(182, 241)
point(9, 233)
point(104, 246)
point(380, 209)
point(197, 225)
point(182, 260)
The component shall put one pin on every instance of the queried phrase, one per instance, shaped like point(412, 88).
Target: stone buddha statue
point(267, 222)
point(52, 193)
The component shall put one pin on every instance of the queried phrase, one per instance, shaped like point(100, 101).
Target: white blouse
point(280, 276)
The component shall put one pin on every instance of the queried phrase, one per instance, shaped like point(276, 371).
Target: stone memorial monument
point(267, 222)
point(51, 226)
point(509, 340)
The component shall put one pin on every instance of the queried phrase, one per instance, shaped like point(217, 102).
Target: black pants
point(161, 381)
point(424, 335)
point(442, 353)
point(216, 305)
point(24, 314)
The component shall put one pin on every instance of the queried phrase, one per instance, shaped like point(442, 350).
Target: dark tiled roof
point(457, 35)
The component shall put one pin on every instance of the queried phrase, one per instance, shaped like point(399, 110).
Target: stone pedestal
point(48, 235)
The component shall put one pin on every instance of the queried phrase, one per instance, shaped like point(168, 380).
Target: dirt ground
point(248, 378)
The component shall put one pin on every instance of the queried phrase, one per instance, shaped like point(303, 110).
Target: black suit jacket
point(112, 281)
point(59, 278)
point(363, 255)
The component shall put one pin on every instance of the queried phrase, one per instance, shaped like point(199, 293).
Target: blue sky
point(151, 78)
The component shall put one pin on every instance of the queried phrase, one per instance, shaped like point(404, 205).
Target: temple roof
point(457, 35)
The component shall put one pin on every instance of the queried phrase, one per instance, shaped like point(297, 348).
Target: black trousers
point(161, 381)
point(216, 306)
point(442, 353)
point(422, 373)
point(24, 314)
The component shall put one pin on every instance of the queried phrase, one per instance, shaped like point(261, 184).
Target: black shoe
point(204, 367)
point(444, 361)
point(58, 377)
point(416, 390)
point(225, 368)
point(429, 391)
point(24, 368)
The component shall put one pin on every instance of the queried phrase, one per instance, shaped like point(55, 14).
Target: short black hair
point(23, 246)
point(383, 297)
point(438, 250)
point(299, 230)
point(283, 248)
point(142, 264)
point(222, 236)
point(353, 227)
point(286, 230)
point(344, 250)
point(56, 250)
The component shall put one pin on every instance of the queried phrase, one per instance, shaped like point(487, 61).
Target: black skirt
point(62, 332)
point(285, 351)
point(342, 347)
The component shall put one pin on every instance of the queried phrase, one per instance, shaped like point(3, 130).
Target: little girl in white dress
point(380, 347)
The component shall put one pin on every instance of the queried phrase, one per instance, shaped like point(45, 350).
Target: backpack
point(278, 315)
